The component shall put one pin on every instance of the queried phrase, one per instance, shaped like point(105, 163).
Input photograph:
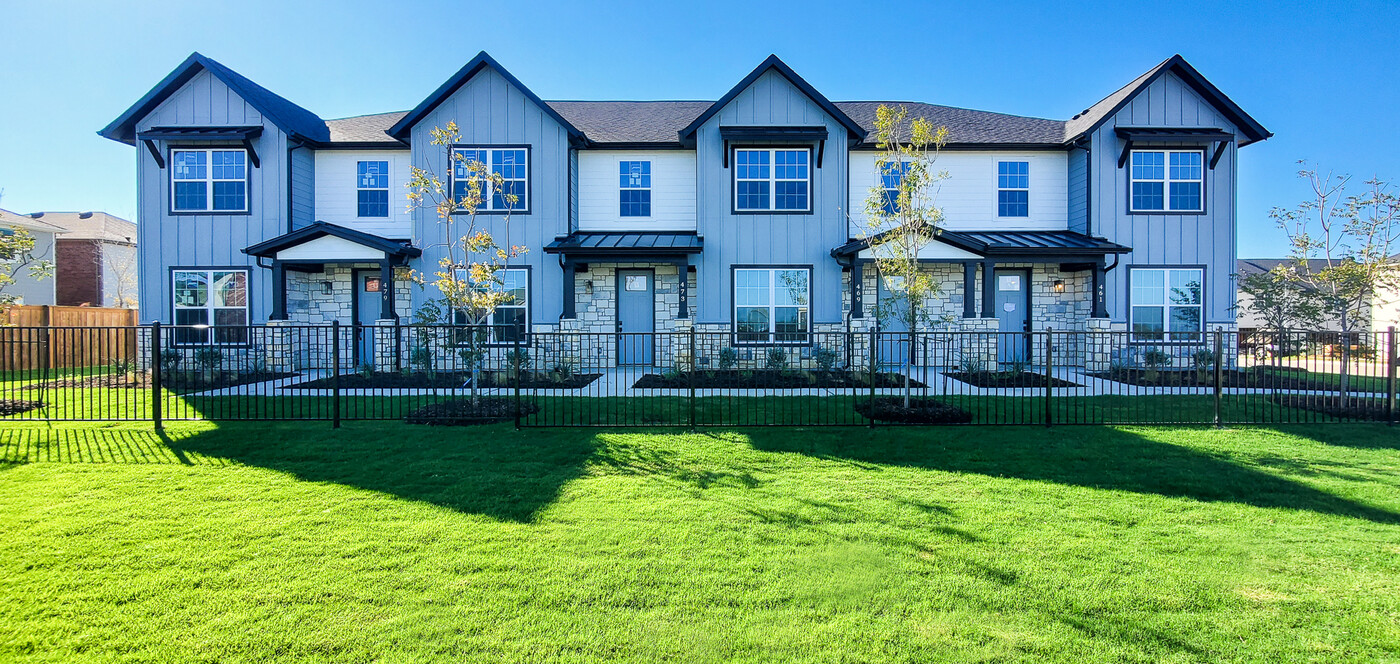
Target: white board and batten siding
point(672, 190)
point(338, 203)
point(968, 197)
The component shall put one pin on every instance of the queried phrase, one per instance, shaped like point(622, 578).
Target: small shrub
point(518, 360)
point(826, 358)
point(728, 358)
point(169, 360)
point(973, 364)
point(1154, 359)
point(563, 371)
point(1017, 367)
point(366, 370)
point(777, 359)
point(1202, 361)
point(422, 357)
point(257, 360)
point(209, 358)
point(123, 366)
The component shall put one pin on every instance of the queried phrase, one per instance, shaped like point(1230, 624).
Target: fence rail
point(690, 378)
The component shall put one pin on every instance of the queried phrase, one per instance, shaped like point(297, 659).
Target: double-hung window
point(1166, 304)
point(776, 180)
point(1167, 181)
point(372, 188)
point(634, 188)
point(511, 318)
point(208, 180)
point(771, 305)
point(512, 164)
point(1013, 189)
point(214, 303)
point(891, 177)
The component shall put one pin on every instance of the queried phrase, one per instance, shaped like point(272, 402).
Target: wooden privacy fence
point(40, 336)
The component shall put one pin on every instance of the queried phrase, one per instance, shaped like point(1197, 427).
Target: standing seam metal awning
point(1049, 244)
point(627, 244)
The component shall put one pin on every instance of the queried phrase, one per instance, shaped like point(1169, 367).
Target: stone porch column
point(387, 356)
point(1098, 345)
point(280, 347)
point(978, 343)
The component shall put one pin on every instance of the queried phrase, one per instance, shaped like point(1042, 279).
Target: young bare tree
point(902, 216)
point(469, 272)
point(118, 263)
point(1341, 249)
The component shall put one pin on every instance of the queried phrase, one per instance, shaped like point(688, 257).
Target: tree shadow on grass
point(1359, 435)
point(492, 471)
point(1095, 457)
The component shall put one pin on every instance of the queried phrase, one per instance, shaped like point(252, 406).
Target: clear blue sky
point(1323, 79)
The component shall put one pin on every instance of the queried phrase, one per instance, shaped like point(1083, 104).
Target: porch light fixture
point(1059, 286)
point(588, 286)
point(326, 287)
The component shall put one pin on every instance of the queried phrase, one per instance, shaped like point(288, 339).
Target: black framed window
point(512, 163)
point(211, 306)
point(208, 180)
point(634, 188)
point(1013, 189)
point(1167, 303)
point(372, 188)
point(772, 305)
point(772, 180)
point(1167, 181)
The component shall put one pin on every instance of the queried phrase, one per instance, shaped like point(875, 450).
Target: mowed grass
point(383, 542)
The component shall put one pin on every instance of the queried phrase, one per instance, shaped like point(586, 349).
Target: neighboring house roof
point(1248, 266)
point(1091, 118)
point(856, 131)
point(27, 222)
point(401, 128)
point(290, 118)
point(90, 226)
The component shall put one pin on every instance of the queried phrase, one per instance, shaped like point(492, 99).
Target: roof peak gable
point(1101, 111)
point(401, 129)
point(856, 132)
point(287, 116)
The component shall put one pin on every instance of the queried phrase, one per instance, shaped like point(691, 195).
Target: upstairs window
point(511, 163)
point(1166, 304)
point(1013, 189)
point(634, 188)
point(772, 180)
point(771, 305)
point(1167, 181)
point(372, 188)
point(891, 176)
point(208, 180)
point(214, 304)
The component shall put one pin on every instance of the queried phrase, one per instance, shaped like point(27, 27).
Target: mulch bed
point(1271, 379)
point(141, 381)
point(17, 406)
point(461, 412)
point(1008, 379)
point(490, 379)
point(1354, 408)
point(920, 411)
point(759, 379)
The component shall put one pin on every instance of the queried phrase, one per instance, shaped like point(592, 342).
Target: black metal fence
point(691, 378)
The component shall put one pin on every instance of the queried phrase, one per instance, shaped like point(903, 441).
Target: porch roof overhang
point(321, 242)
point(622, 245)
point(1004, 246)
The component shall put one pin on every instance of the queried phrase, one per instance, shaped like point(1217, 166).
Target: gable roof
point(269, 248)
point(290, 118)
point(856, 131)
point(1091, 118)
point(482, 60)
point(90, 226)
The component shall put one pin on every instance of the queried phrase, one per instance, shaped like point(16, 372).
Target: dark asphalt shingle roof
point(660, 122)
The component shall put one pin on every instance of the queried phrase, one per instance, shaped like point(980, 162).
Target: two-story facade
point(740, 215)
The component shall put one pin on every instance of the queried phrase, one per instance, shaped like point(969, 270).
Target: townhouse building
point(740, 215)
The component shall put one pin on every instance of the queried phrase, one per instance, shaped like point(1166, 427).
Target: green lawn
point(390, 543)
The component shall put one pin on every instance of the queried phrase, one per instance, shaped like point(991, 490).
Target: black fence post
point(518, 361)
point(1393, 357)
point(1049, 373)
point(155, 360)
point(694, 360)
point(874, 339)
point(1218, 378)
point(335, 374)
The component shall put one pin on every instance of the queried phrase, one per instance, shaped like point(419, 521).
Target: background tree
point(17, 257)
point(1340, 249)
point(1281, 304)
point(901, 217)
point(468, 274)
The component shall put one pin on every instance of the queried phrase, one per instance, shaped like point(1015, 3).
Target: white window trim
point(647, 189)
point(1167, 181)
point(772, 306)
point(772, 180)
point(388, 178)
point(1166, 306)
point(491, 317)
point(210, 338)
point(1026, 188)
point(522, 206)
point(209, 180)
